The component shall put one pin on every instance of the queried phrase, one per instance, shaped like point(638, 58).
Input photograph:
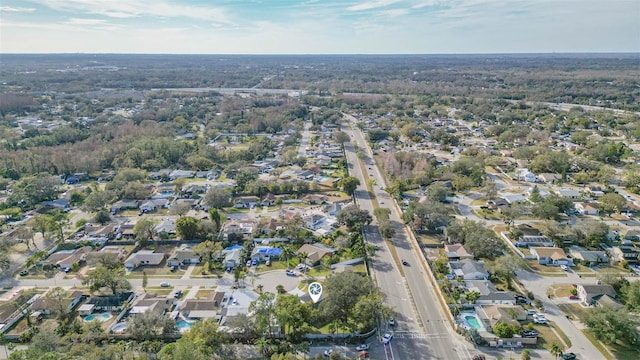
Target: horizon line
point(338, 54)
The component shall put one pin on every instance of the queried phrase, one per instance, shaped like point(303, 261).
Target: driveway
point(271, 279)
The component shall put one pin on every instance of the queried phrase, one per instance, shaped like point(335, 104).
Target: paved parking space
point(270, 280)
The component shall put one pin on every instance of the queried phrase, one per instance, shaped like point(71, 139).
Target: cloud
point(373, 4)
point(138, 8)
point(16, 9)
point(77, 21)
point(394, 12)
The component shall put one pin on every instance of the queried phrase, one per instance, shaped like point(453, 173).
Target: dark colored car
point(569, 356)
point(405, 262)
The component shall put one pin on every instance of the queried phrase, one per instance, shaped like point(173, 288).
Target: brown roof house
point(315, 252)
point(64, 259)
point(456, 252)
point(509, 314)
point(551, 256)
point(150, 303)
point(208, 308)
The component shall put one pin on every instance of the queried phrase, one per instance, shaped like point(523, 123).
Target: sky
point(319, 26)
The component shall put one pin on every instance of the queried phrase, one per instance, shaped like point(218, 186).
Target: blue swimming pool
point(100, 317)
point(184, 325)
point(470, 320)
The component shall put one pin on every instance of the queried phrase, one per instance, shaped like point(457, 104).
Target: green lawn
point(560, 290)
point(428, 239)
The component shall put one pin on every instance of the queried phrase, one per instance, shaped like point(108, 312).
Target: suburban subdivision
point(448, 207)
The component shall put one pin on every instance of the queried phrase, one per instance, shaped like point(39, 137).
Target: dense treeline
point(598, 79)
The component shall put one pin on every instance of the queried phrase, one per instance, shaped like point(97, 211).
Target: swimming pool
point(471, 321)
point(184, 325)
point(100, 317)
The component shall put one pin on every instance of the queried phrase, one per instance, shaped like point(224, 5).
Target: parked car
point(569, 356)
point(529, 333)
point(574, 297)
point(327, 352)
point(229, 269)
point(291, 273)
point(24, 273)
point(564, 267)
point(362, 347)
point(254, 262)
point(165, 284)
point(479, 357)
point(392, 322)
point(386, 338)
point(177, 294)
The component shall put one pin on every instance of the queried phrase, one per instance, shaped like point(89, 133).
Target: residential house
point(240, 226)
point(183, 255)
point(238, 304)
point(165, 189)
point(194, 189)
point(587, 292)
point(456, 252)
point(264, 253)
point(272, 224)
point(314, 199)
point(569, 193)
point(143, 258)
point(232, 257)
point(245, 202)
point(166, 226)
point(150, 303)
point(124, 204)
point(549, 178)
point(315, 252)
point(45, 305)
point(268, 200)
point(65, 259)
point(595, 191)
point(305, 175)
point(534, 240)
point(126, 230)
point(514, 198)
point(313, 221)
point(153, 205)
point(586, 209)
point(181, 174)
point(508, 314)
point(605, 300)
point(106, 303)
point(468, 269)
point(332, 209)
point(207, 308)
point(160, 174)
point(550, 256)
point(525, 175)
point(489, 295)
point(624, 253)
point(632, 234)
point(588, 257)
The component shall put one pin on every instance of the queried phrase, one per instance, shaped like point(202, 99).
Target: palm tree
point(555, 349)
point(303, 256)
point(287, 254)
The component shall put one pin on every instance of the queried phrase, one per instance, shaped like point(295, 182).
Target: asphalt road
point(423, 331)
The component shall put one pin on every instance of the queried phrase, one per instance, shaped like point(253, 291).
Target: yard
point(560, 290)
point(428, 239)
point(546, 270)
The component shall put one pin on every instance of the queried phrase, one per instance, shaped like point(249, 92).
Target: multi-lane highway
point(422, 330)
